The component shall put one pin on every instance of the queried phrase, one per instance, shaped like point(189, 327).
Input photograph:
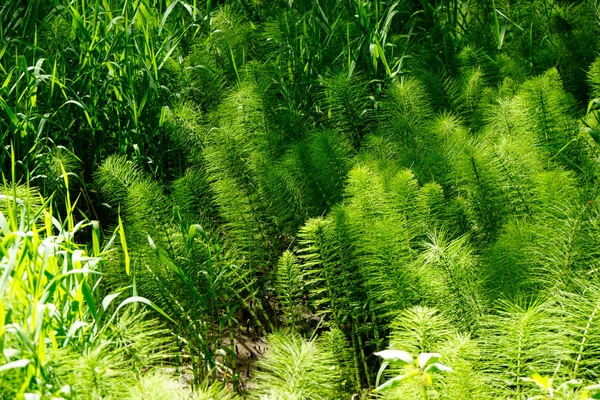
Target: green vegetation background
point(339, 176)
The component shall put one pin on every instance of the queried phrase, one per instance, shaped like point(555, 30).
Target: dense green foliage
point(306, 183)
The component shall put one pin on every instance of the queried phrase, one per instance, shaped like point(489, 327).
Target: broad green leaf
point(395, 356)
point(11, 115)
point(109, 299)
point(89, 298)
point(14, 365)
point(124, 246)
point(437, 367)
point(427, 358)
point(543, 381)
point(142, 300)
point(96, 238)
point(73, 329)
point(381, 369)
point(393, 383)
point(2, 318)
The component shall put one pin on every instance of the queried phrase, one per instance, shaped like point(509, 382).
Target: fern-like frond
point(467, 381)
point(469, 101)
point(296, 368)
point(474, 175)
point(383, 237)
point(214, 390)
point(98, 372)
point(187, 129)
point(156, 386)
point(335, 342)
point(551, 110)
point(518, 338)
point(565, 243)
point(307, 181)
point(449, 273)
point(332, 286)
point(420, 329)
point(594, 79)
point(405, 118)
point(193, 196)
point(234, 152)
point(139, 200)
point(288, 286)
point(349, 108)
point(230, 39)
point(580, 308)
point(506, 266)
point(429, 207)
point(142, 340)
point(205, 81)
point(425, 330)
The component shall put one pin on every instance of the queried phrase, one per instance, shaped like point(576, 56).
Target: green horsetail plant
point(519, 164)
point(205, 80)
point(519, 337)
point(420, 329)
point(425, 330)
point(468, 381)
point(594, 79)
point(156, 386)
point(294, 368)
point(288, 286)
point(192, 196)
point(472, 89)
point(327, 151)
point(429, 208)
point(382, 237)
point(449, 275)
point(214, 390)
point(579, 306)
point(589, 128)
point(330, 285)
point(229, 39)
point(565, 238)
point(505, 264)
point(551, 109)
point(479, 174)
point(361, 257)
point(404, 118)
point(306, 181)
point(233, 153)
point(349, 107)
point(336, 293)
point(187, 271)
point(335, 342)
point(140, 203)
point(48, 173)
point(129, 352)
